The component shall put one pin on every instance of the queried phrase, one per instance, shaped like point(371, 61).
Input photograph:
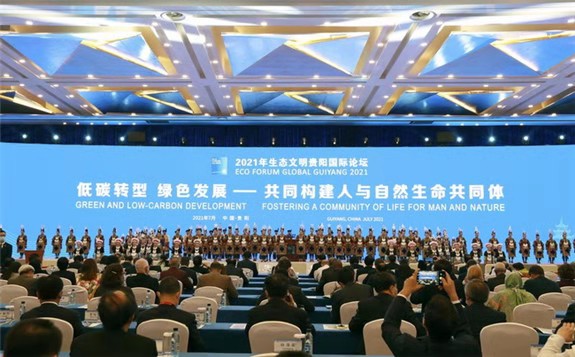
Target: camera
point(430, 277)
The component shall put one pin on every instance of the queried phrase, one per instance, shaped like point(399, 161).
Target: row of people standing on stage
point(267, 245)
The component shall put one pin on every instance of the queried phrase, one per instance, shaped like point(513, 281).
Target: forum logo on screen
point(220, 165)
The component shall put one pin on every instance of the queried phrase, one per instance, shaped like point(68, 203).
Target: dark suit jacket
point(327, 276)
point(498, 280)
point(230, 270)
point(350, 292)
point(129, 268)
point(391, 267)
point(181, 276)
point(171, 312)
point(478, 316)
point(144, 281)
point(364, 270)
point(402, 344)
point(5, 252)
point(541, 285)
point(278, 310)
point(75, 265)
point(375, 307)
point(113, 343)
point(246, 263)
point(314, 267)
point(55, 311)
point(200, 269)
point(66, 274)
point(191, 274)
point(298, 296)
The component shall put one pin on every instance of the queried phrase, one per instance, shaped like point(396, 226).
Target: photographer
point(424, 295)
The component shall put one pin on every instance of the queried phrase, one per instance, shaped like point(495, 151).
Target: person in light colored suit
point(216, 278)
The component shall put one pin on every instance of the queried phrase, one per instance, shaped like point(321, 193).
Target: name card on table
point(6, 314)
point(92, 315)
point(287, 345)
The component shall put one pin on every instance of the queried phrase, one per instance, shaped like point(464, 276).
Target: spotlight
point(88, 138)
point(24, 136)
point(154, 139)
point(334, 141)
point(122, 139)
point(242, 141)
point(365, 141)
point(304, 141)
point(172, 16)
point(212, 141)
point(492, 139)
point(426, 139)
point(273, 141)
point(459, 139)
point(397, 140)
point(526, 138)
point(183, 141)
point(56, 137)
point(422, 15)
point(561, 137)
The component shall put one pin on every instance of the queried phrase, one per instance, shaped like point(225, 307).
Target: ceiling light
point(314, 85)
point(380, 44)
point(371, 61)
point(268, 76)
point(25, 136)
point(154, 139)
point(84, 105)
point(55, 85)
point(530, 106)
point(22, 61)
point(411, 61)
point(359, 86)
point(209, 44)
point(499, 76)
point(423, 44)
point(316, 76)
point(422, 15)
point(56, 105)
point(29, 23)
point(271, 114)
point(268, 85)
point(155, 24)
point(506, 124)
point(100, 85)
point(42, 76)
point(520, 124)
point(196, 96)
point(145, 85)
point(56, 137)
point(137, 76)
point(263, 23)
point(526, 138)
point(227, 96)
point(548, 96)
point(6, 75)
point(201, 105)
point(173, 16)
point(459, 139)
point(439, 85)
point(133, 114)
point(516, 96)
point(550, 75)
point(561, 137)
point(190, 85)
point(355, 96)
point(22, 85)
point(90, 76)
point(88, 138)
point(571, 21)
point(500, 106)
point(394, 86)
point(485, 85)
point(215, 62)
point(122, 139)
point(569, 84)
point(349, 106)
point(401, 76)
point(230, 105)
point(176, 61)
point(185, 76)
point(439, 23)
point(378, 106)
point(167, 44)
point(534, 85)
point(426, 139)
point(553, 114)
point(492, 139)
point(220, 76)
point(385, 96)
point(450, 76)
point(515, 115)
point(40, 95)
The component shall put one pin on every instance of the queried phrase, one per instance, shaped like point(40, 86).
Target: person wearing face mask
point(5, 247)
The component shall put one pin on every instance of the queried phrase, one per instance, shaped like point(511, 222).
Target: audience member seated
point(112, 280)
point(142, 279)
point(375, 307)
point(323, 265)
point(520, 268)
point(232, 270)
point(77, 262)
point(169, 294)
point(354, 262)
point(554, 345)
point(462, 272)
point(285, 264)
point(329, 274)
point(25, 279)
point(350, 291)
point(175, 271)
point(36, 262)
point(424, 295)
point(198, 266)
point(33, 337)
point(185, 267)
point(402, 273)
point(368, 268)
point(538, 284)
point(62, 272)
point(247, 263)
point(566, 275)
point(474, 272)
point(216, 278)
point(11, 270)
point(447, 329)
point(129, 268)
point(89, 277)
point(280, 306)
point(513, 295)
point(379, 268)
point(478, 315)
point(49, 293)
point(117, 310)
point(391, 266)
point(499, 276)
point(154, 267)
point(298, 296)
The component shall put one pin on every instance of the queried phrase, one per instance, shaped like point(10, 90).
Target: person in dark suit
point(478, 315)
point(62, 264)
point(350, 291)
point(368, 268)
point(49, 291)
point(47, 339)
point(280, 306)
point(499, 278)
point(198, 267)
point(142, 279)
point(128, 266)
point(169, 294)
point(298, 296)
point(36, 262)
point(5, 247)
point(448, 333)
point(247, 263)
point(392, 265)
point(375, 307)
point(354, 262)
point(328, 275)
point(179, 274)
point(77, 263)
point(424, 295)
point(379, 268)
point(538, 284)
point(25, 279)
point(117, 310)
point(185, 266)
point(316, 265)
point(232, 270)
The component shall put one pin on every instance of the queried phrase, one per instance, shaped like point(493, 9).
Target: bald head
point(142, 266)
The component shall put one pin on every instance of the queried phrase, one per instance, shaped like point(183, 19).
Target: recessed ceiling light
point(133, 114)
point(223, 86)
point(6, 75)
point(372, 115)
point(268, 85)
point(569, 84)
point(185, 76)
point(201, 105)
point(553, 114)
point(548, 96)
point(122, 138)
point(167, 44)
point(209, 44)
point(500, 106)
point(42, 76)
point(176, 61)
point(154, 139)
point(349, 106)
point(526, 138)
point(533, 85)
point(230, 105)
point(385, 96)
point(561, 137)
point(394, 86)
point(29, 23)
point(378, 106)
point(90, 76)
point(499, 76)
point(423, 44)
point(371, 61)
point(492, 139)
point(316, 76)
point(485, 85)
point(22, 85)
point(173, 16)
point(515, 115)
point(55, 85)
point(40, 95)
point(355, 96)
point(326, 23)
point(530, 106)
point(411, 61)
point(268, 76)
point(571, 21)
point(263, 23)
point(550, 75)
point(100, 85)
point(71, 96)
point(439, 85)
point(516, 96)
point(144, 85)
point(426, 139)
point(271, 114)
point(215, 62)
point(401, 76)
point(155, 24)
point(364, 76)
point(380, 44)
point(422, 15)
point(450, 76)
point(22, 61)
point(84, 105)
point(459, 139)
point(520, 124)
point(314, 85)
point(196, 96)
point(137, 76)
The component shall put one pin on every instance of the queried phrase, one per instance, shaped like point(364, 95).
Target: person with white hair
point(142, 279)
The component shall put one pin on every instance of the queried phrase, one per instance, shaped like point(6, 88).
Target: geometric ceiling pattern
point(330, 61)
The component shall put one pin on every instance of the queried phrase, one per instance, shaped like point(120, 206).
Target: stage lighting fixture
point(154, 139)
point(183, 141)
point(172, 16)
point(422, 15)
point(561, 137)
point(56, 137)
point(24, 136)
point(122, 139)
point(459, 139)
point(88, 138)
point(304, 141)
point(241, 141)
point(492, 139)
point(426, 139)
point(273, 141)
point(334, 141)
point(212, 141)
point(526, 138)
point(365, 141)
point(397, 140)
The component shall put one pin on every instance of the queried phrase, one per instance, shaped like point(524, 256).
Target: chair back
point(93, 303)
point(3, 282)
point(209, 291)
point(29, 301)
point(498, 288)
point(155, 329)
point(67, 332)
point(11, 291)
point(192, 304)
point(81, 293)
point(347, 311)
point(534, 314)
point(66, 281)
point(140, 294)
point(361, 278)
point(248, 273)
point(552, 276)
point(263, 334)
point(558, 301)
point(507, 339)
point(330, 287)
point(569, 290)
point(373, 340)
point(237, 281)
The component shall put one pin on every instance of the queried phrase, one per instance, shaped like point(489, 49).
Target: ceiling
point(311, 60)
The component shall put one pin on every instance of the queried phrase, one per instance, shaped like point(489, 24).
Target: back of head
point(499, 268)
point(128, 259)
point(442, 264)
point(470, 262)
point(321, 257)
point(174, 262)
point(33, 337)
point(379, 264)
point(382, 281)
point(369, 260)
point(247, 255)
point(185, 262)
point(62, 263)
point(518, 266)
point(116, 309)
point(536, 270)
point(477, 291)
point(474, 272)
point(49, 287)
point(277, 285)
point(197, 260)
point(12, 269)
point(284, 263)
point(216, 266)
point(336, 264)
point(392, 258)
point(89, 270)
point(142, 266)
point(440, 318)
point(78, 258)
point(513, 281)
point(113, 276)
point(346, 275)
point(231, 262)
point(169, 286)
point(354, 260)
point(566, 272)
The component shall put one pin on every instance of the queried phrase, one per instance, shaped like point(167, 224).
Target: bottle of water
point(147, 301)
point(73, 296)
point(175, 342)
point(22, 308)
point(209, 314)
point(308, 344)
point(224, 302)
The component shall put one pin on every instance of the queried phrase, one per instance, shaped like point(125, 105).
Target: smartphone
point(429, 277)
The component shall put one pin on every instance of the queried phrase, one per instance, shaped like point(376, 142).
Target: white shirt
point(553, 348)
